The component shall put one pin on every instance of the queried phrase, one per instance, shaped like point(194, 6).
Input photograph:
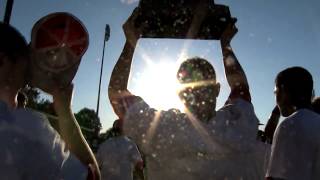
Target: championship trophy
point(183, 19)
point(58, 41)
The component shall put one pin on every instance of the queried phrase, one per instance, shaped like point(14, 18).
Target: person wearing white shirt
point(118, 156)
point(202, 143)
point(31, 148)
point(295, 151)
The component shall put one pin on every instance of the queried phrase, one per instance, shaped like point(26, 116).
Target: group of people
point(200, 143)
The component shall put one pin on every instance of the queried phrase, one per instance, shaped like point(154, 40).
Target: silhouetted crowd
point(201, 143)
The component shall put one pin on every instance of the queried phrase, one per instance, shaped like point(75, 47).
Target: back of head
point(199, 87)
point(316, 105)
point(22, 99)
point(297, 83)
point(194, 70)
point(12, 43)
point(117, 127)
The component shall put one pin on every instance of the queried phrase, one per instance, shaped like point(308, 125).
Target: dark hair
point(22, 97)
point(298, 83)
point(117, 127)
point(316, 105)
point(195, 69)
point(12, 43)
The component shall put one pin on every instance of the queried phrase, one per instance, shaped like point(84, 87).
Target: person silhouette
point(118, 156)
point(316, 105)
point(22, 100)
point(37, 152)
point(296, 142)
point(271, 126)
point(201, 143)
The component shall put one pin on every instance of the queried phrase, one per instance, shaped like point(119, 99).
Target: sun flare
point(158, 86)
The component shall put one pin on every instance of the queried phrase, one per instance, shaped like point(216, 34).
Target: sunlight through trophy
point(58, 41)
point(191, 19)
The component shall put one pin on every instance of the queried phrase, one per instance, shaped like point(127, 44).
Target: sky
point(273, 35)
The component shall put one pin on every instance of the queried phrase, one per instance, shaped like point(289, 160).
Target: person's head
point(316, 105)
point(22, 99)
point(13, 58)
point(294, 89)
point(117, 127)
point(200, 89)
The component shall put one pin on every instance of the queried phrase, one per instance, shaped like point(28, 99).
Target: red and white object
point(58, 41)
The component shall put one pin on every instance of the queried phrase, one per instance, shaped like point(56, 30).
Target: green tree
point(90, 126)
point(38, 102)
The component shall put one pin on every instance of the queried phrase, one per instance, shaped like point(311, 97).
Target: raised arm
point(272, 124)
point(70, 129)
point(120, 75)
point(236, 77)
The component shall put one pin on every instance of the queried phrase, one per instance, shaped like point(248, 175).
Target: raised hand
point(228, 34)
point(131, 32)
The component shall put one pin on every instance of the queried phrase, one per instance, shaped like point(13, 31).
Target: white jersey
point(117, 158)
point(295, 151)
point(178, 146)
point(31, 149)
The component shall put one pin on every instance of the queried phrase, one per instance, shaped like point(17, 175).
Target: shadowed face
point(283, 101)
point(200, 99)
point(199, 87)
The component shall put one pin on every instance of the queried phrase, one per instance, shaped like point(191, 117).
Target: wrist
point(225, 44)
point(61, 106)
point(226, 49)
point(131, 43)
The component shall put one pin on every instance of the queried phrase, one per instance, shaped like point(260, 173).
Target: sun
point(158, 86)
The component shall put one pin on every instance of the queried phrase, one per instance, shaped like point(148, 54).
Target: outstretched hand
point(228, 34)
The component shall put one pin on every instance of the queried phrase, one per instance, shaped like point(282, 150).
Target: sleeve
point(236, 125)
point(58, 155)
point(281, 152)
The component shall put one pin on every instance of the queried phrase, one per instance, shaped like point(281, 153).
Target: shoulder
point(237, 109)
point(239, 103)
point(286, 129)
point(297, 119)
point(31, 116)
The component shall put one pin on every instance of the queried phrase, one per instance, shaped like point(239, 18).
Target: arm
point(70, 129)
point(272, 124)
point(236, 77)
point(120, 74)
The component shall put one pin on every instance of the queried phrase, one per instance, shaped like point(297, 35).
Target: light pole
point(106, 38)
point(8, 11)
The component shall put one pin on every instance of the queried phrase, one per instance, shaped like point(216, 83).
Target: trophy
point(58, 41)
point(183, 19)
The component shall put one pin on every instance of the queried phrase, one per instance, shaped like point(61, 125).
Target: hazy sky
point(272, 35)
